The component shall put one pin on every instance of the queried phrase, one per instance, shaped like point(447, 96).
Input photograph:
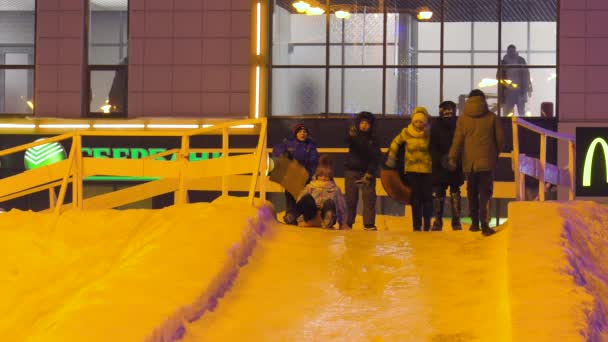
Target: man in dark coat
point(514, 85)
point(442, 133)
point(478, 141)
point(361, 170)
point(301, 147)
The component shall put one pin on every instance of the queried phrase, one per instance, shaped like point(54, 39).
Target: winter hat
point(420, 113)
point(298, 127)
point(447, 104)
point(367, 116)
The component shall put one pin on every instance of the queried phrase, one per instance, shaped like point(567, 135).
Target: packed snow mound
point(558, 265)
point(113, 275)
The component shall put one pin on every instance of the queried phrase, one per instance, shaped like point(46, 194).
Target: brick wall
point(189, 58)
point(583, 60)
point(59, 58)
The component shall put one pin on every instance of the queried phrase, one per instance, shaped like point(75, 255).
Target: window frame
point(32, 66)
point(90, 68)
point(385, 66)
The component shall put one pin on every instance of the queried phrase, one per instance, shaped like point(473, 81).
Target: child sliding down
point(321, 203)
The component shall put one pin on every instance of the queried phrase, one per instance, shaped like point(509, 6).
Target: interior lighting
point(206, 126)
point(301, 6)
point(315, 11)
point(64, 126)
point(424, 13)
point(172, 126)
point(257, 91)
point(342, 14)
point(118, 126)
point(242, 126)
point(9, 125)
point(106, 108)
point(487, 82)
point(258, 48)
point(29, 103)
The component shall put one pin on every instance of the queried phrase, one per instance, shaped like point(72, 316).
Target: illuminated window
point(17, 36)
point(108, 61)
point(378, 56)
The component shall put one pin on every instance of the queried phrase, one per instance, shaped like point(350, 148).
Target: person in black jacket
point(361, 170)
point(442, 133)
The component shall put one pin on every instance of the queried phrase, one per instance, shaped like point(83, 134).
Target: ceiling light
point(424, 13)
point(315, 11)
point(487, 82)
point(342, 14)
point(301, 6)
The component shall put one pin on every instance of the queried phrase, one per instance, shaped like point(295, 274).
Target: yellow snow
point(128, 275)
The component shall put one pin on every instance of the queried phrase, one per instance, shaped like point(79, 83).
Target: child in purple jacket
point(321, 200)
point(302, 148)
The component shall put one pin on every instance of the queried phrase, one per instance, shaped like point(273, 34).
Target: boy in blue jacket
point(301, 147)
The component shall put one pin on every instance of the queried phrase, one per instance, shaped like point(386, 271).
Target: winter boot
point(474, 225)
point(328, 220)
point(486, 230)
point(370, 227)
point(290, 219)
point(438, 213)
point(485, 226)
point(456, 209)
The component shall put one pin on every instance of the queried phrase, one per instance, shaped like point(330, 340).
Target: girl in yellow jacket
point(418, 166)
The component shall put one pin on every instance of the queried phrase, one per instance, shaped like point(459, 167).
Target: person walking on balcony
point(361, 170)
point(442, 133)
point(418, 166)
point(478, 141)
point(299, 146)
point(514, 84)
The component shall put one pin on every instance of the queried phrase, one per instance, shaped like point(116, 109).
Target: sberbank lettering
point(588, 166)
point(139, 153)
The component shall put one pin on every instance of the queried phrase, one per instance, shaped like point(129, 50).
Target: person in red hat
point(301, 147)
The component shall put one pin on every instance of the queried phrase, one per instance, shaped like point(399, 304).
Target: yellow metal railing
point(539, 168)
point(239, 169)
point(177, 176)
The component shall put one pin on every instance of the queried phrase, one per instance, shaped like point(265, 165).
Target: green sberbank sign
point(47, 154)
point(43, 155)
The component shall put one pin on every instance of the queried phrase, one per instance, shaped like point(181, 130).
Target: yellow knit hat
point(420, 113)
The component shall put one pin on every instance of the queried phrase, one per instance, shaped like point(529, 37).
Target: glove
point(367, 177)
point(452, 165)
point(390, 163)
point(352, 131)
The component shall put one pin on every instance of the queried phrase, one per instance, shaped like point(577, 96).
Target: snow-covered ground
point(158, 274)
